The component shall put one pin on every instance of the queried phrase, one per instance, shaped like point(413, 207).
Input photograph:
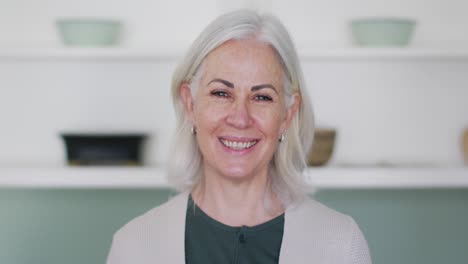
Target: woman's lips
point(237, 144)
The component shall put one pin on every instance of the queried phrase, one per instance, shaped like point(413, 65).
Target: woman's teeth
point(238, 145)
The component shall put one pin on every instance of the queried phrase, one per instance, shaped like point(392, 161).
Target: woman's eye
point(263, 98)
point(220, 94)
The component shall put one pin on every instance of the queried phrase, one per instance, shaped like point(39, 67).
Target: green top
point(209, 241)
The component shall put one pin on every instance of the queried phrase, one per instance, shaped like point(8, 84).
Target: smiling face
point(239, 109)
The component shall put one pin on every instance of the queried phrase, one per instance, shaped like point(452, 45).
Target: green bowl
point(89, 32)
point(382, 31)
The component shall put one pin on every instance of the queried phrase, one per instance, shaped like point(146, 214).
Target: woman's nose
point(239, 115)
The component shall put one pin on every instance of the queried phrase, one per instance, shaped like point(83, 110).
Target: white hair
point(289, 161)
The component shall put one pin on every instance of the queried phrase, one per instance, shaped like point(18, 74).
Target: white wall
point(163, 24)
point(156, 24)
point(392, 111)
point(324, 23)
point(387, 111)
point(43, 98)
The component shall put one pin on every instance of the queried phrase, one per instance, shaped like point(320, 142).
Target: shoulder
point(154, 218)
point(313, 216)
point(314, 212)
point(139, 238)
point(322, 234)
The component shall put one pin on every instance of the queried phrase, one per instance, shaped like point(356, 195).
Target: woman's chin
point(238, 174)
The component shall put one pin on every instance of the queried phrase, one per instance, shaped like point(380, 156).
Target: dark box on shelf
point(103, 149)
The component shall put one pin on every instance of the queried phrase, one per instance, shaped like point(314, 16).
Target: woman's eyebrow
point(263, 86)
point(253, 89)
point(227, 83)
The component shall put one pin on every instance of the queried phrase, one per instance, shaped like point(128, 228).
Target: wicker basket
point(465, 145)
point(322, 148)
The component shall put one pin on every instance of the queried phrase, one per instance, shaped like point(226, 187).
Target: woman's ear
point(187, 100)
point(291, 111)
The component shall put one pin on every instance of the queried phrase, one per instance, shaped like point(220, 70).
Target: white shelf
point(389, 177)
point(118, 53)
point(83, 177)
point(90, 53)
point(383, 53)
point(153, 178)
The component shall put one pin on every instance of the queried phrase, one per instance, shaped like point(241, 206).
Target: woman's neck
point(246, 202)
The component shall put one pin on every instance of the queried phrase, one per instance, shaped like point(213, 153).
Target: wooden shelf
point(154, 178)
point(119, 53)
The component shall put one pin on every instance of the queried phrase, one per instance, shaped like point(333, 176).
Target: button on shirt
point(209, 241)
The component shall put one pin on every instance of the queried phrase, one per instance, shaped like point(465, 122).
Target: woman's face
point(239, 109)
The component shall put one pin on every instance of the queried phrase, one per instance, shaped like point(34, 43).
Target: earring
point(193, 130)
point(281, 139)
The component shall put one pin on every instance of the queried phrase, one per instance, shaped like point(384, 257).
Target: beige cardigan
point(313, 233)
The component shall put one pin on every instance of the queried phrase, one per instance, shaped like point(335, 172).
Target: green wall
point(76, 226)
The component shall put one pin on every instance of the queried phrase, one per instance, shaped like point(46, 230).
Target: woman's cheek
point(267, 115)
point(211, 113)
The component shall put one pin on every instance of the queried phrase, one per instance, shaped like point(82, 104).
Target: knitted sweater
point(313, 233)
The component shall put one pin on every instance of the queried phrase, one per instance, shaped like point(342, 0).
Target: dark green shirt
point(209, 241)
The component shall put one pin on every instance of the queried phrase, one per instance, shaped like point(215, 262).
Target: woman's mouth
point(238, 145)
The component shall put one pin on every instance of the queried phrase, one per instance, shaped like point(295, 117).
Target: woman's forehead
point(244, 59)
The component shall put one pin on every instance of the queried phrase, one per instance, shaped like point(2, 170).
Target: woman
point(244, 128)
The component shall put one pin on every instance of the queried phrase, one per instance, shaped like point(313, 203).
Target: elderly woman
point(244, 129)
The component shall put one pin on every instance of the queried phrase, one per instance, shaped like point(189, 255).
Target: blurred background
point(399, 111)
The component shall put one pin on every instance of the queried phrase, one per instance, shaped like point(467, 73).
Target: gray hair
point(289, 161)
